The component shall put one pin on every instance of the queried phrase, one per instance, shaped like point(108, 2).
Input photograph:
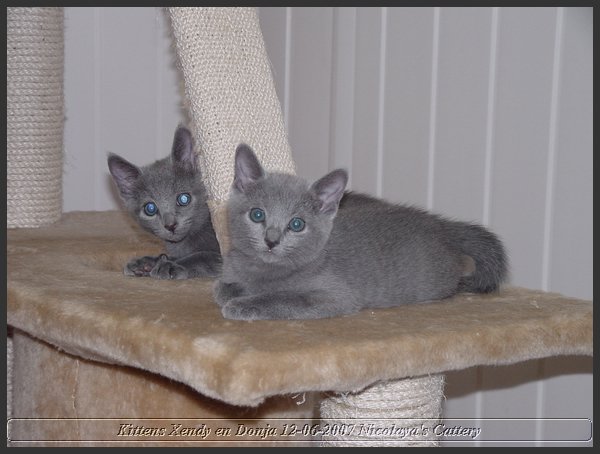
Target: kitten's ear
point(124, 174)
point(183, 148)
point(330, 189)
point(247, 168)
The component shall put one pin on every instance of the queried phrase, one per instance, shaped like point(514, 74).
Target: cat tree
point(91, 343)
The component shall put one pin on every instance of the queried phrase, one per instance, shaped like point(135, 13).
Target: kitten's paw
point(166, 269)
point(224, 292)
point(241, 310)
point(141, 266)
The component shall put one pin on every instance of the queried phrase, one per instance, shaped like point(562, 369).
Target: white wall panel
point(407, 108)
point(170, 108)
point(126, 83)
point(462, 397)
point(273, 26)
point(571, 258)
point(310, 89)
point(523, 93)
point(367, 110)
point(521, 136)
point(80, 173)
point(343, 90)
point(462, 111)
point(566, 392)
point(122, 95)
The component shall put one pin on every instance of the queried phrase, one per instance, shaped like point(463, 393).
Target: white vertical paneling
point(170, 110)
point(381, 99)
point(462, 111)
point(489, 125)
point(288, 60)
point(510, 392)
point(99, 187)
point(79, 172)
point(367, 102)
point(550, 162)
point(127, 80)
point(273, 27)
point(571, 263)
point(310, 89)
point(343, 89)
point(525, 58)
point(550, 176)
point(567, 388)
point(122, 95)
point(435, 41)
point(568, 392)
point(460, 396)
point(407, 104)
point(523, 96)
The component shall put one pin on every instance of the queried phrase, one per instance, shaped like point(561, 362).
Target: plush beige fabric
point(88, 403)
point(65, 287)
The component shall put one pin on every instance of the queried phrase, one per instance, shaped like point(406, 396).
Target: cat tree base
point(90, 403)
point(66, 290)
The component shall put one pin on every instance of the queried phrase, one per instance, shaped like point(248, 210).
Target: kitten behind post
point(301, 251)
point(167, 198)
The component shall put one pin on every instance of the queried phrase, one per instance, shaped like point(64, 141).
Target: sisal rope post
point(34, 116)
point(395, 413)
point(231, 97)
point(34, 126)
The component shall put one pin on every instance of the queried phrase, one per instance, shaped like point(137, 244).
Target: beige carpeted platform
point(65, 287)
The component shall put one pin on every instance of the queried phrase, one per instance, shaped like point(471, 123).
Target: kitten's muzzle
point(272, 238)
point(169, 222)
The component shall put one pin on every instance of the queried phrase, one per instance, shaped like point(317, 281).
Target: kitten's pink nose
point(171, 227)
point(271, 244)
point(272, 237)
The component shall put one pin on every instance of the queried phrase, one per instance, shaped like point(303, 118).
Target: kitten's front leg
point(289, 305)
point(225, 291)
point(166, 268)
point(201, 264)
point(198, 264)
point(141, 266)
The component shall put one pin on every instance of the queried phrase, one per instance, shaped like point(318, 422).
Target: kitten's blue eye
point(184, 199)
point(150, 208)
point(257, 215)
point(296, 225)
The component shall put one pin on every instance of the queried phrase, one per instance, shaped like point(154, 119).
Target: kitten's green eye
point(184, 199)
point(150, 208)
point(257, 215)
point(296, 225)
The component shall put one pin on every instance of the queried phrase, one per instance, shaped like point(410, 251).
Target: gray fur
point(355, 251)
point(191, 245)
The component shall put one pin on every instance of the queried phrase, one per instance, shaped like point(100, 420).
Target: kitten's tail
point(489, 257)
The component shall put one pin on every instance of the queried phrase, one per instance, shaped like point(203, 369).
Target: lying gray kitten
point(295, 255)
point(168, 199)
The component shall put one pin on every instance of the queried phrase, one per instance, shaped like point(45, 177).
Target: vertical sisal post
point(395, 413)
point(34, 115)
point(230, 95)
point(34, 126)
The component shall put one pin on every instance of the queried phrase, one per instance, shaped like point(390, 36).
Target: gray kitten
point(168, 199)
point(301, 251)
